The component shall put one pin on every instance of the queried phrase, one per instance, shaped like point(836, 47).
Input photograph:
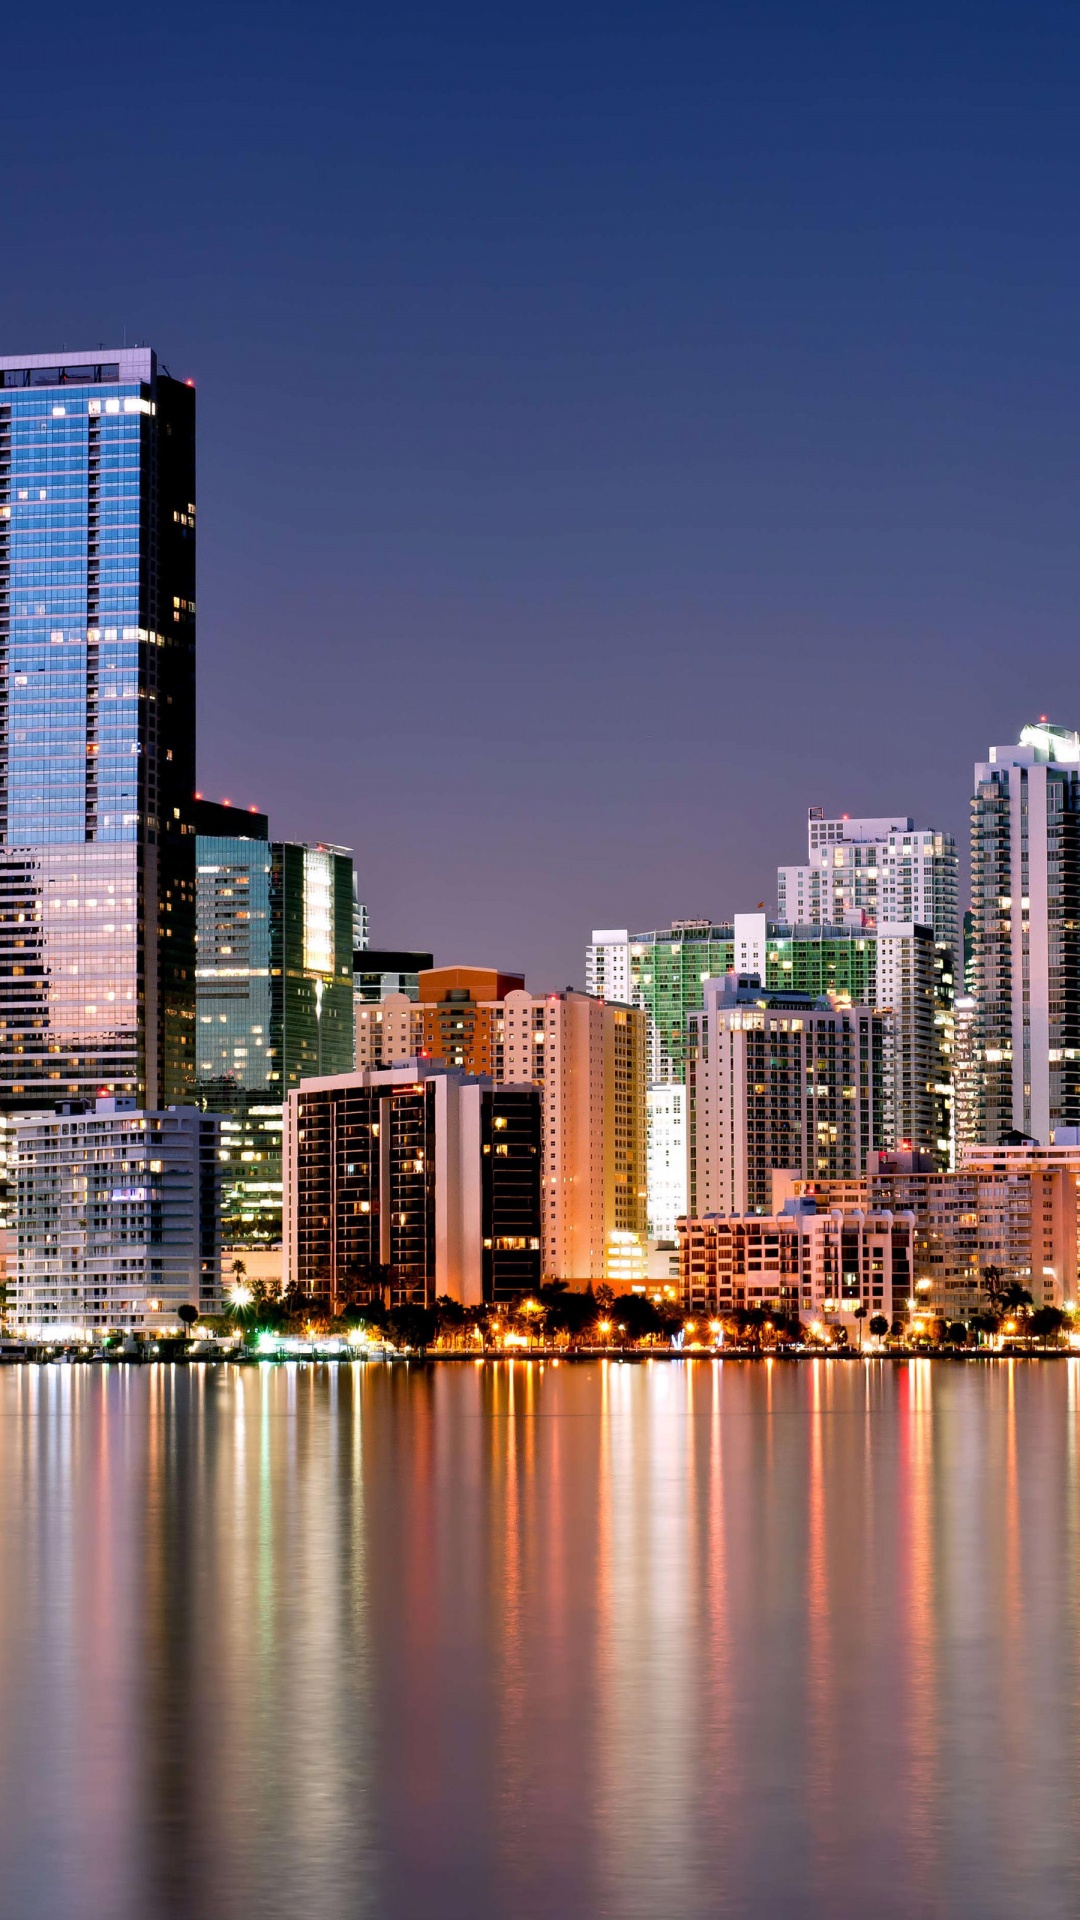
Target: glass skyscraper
point(274, 996)
point(97, 728)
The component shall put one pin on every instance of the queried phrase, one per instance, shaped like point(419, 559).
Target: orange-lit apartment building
point(1015, 1208)
point(588, 1057)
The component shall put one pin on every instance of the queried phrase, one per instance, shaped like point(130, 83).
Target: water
point(669, 1640)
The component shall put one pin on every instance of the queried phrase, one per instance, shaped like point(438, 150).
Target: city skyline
point(682, 402)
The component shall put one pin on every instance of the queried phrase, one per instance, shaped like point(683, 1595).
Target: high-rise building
point(779, 1080)
point(607, 965)
point(410, 1183)
point(897, 968)
point(662, 972)
point(97, 731)
point(588, 1057)
point(458, 1016)
point(379, 975)
point(455, 1016)
point(1025, 902)
point(274, 995)
point(666, 1183)
point(969, 1126)
point(872, 871)
point(117, 1219)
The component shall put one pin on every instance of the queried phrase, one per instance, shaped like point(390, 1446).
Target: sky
point(620, 426)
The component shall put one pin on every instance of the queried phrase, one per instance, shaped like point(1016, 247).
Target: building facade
point(117, 1219)
point(969, 1123)
point(379, 971)
point(666, 1111)
point(588, 1059)
point(778, 1080)
point(872, 871)
point(411, 1183)
point(835, 1268)
point(897, 965)
point(1011, 1209)
point(97, 732)
point(1025, 904)
point(274, 998)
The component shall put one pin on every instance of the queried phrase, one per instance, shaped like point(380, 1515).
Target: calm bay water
point(668, 1640)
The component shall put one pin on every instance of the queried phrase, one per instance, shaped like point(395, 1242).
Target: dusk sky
point(620, 426)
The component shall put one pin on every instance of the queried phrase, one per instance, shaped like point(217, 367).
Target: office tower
point(666, 1119)
point(821, 1266)
point(117, 1219)
point(779, 1080)
point(274, 995)
point(97, 735)
point(870, 871)
point(1025, 902)
point(589, 1059)
point(411, 1183)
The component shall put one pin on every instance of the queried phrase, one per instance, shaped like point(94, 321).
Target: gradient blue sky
point(620, 425)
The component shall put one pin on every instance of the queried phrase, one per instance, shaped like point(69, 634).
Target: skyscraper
point(1025, 902)
point(274, 999)
point(97, 731)
point(779, 1081)
point(877, 870)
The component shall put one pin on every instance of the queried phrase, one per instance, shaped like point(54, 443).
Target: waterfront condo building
point(97, 728)
point(836, 1267)
point(409, 1183)
point(779, 1080)
point(587, 1057)
point(117, 1219)
point(1011, 1208)
point(1025, 903)
point(274, 995)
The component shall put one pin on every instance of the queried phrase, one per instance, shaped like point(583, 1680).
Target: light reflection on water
point(661, 1640)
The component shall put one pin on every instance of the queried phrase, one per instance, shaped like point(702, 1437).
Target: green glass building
point(899, 967)
point(668, 970)
point(274, 996)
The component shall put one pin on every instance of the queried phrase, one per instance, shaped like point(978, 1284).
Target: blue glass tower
point(97, 728)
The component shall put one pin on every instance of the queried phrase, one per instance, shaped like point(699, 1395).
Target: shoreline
point(43, 1357)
